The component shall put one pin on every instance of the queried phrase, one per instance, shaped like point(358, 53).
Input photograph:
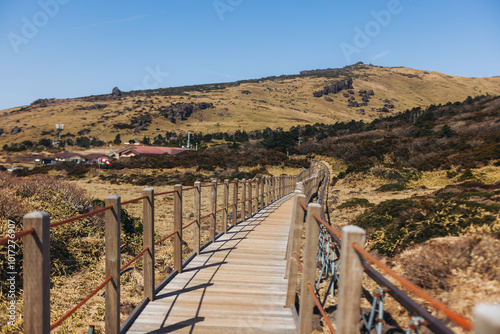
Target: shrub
point(391, 187)
point(362, 202)
point(395, 225)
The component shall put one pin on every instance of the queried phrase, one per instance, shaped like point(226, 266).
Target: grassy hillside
point(253, 104)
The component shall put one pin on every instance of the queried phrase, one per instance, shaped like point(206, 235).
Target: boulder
point(116, 93)
point(15, 130)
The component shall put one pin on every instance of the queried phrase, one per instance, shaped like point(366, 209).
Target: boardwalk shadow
point(225, 248)
point(179, 325)
point(216, 264)
point(178, 292)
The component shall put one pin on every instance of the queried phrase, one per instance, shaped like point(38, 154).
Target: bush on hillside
point(395, 225)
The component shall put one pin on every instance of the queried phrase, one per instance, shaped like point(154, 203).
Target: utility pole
point(59, 128)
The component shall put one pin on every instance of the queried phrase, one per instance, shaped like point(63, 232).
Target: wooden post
point(281, 186)
point(351, 274)
point(292, 267)
point(262, 199)
point(36, 280)
point(244, 199)
point(148, 223)
point(275, 188)
point(309, 274)
point(112, 234)
point(197, 216)
point(487, 319)
point(178, 228)
point(225, 212)
point(268, 191)
point(250, 200)
point(292, 224)
point(295, 237)
point(213, 220)
point(235, 202)
point(257, 186)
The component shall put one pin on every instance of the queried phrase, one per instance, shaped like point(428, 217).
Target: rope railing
point(16, 236)
point(125, 266)
point(80, 304)
point(267, 191)
point(336, 234)
point(191, 223)
point(166, 193)
point(88, 214)
point(315, 298)
point(165, 238)
point(452, 315)
point(135, 200)
point(320, 308)
point(322, 246)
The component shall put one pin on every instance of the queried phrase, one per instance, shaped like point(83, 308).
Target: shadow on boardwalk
point(235, 285)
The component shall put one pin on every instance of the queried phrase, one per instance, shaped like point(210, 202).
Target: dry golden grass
point(67, 291)
point(459, 271)
point(271, 103)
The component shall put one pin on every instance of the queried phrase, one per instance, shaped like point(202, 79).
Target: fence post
point(262, 200)
point(213, 220)
point(309, 274)
point(148, 223)
point(250, 201)
point(487, 319)
point(197, 216)
point(281, 186)
point(292, 224)
point(244, 199)
point(275, 190)
point(225, 212)
point(351, 274)
point(257, 186)
point(36, 280)
point(296, 238)
point(112, 239)
point(178, 228)
point(235, 202)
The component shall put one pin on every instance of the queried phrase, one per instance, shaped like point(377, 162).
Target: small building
point(149, 151)
point(95, 158)
point(45, 161)
point(69, 156)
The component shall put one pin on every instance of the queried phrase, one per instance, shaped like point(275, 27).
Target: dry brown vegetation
point(73, 280)
point(461, 271)
point(274, 102)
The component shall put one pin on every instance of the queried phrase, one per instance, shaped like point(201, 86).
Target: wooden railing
point(36, 240)
point(353, 263)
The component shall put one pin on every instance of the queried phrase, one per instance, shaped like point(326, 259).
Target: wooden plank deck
point(236, 285)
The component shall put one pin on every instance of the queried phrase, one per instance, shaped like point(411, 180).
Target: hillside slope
point(273, 102)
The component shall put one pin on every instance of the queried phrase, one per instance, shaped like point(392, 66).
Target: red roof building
point(149, 151)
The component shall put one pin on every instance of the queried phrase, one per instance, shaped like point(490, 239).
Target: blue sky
point(72, 48)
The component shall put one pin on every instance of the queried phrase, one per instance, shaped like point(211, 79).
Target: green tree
point(117, 140)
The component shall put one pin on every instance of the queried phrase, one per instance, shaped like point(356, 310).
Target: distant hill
point(357, 92)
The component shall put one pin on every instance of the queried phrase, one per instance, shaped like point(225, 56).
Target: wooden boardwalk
point(236, 285)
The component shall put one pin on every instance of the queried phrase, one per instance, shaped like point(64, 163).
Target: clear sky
point(72, 48)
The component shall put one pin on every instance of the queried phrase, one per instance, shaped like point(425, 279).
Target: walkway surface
point(236, 284)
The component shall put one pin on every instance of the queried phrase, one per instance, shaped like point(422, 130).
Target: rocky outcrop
point(15, 130)
point(116, 93)
point(335, 88)
point(181, 111)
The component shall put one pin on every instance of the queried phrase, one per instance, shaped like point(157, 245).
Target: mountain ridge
point(283, 101)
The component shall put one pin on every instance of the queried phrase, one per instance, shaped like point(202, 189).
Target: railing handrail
point(314, 219)
point(268, 190)
point(452, 315)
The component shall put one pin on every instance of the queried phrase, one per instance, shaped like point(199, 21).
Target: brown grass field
point(272, 103)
